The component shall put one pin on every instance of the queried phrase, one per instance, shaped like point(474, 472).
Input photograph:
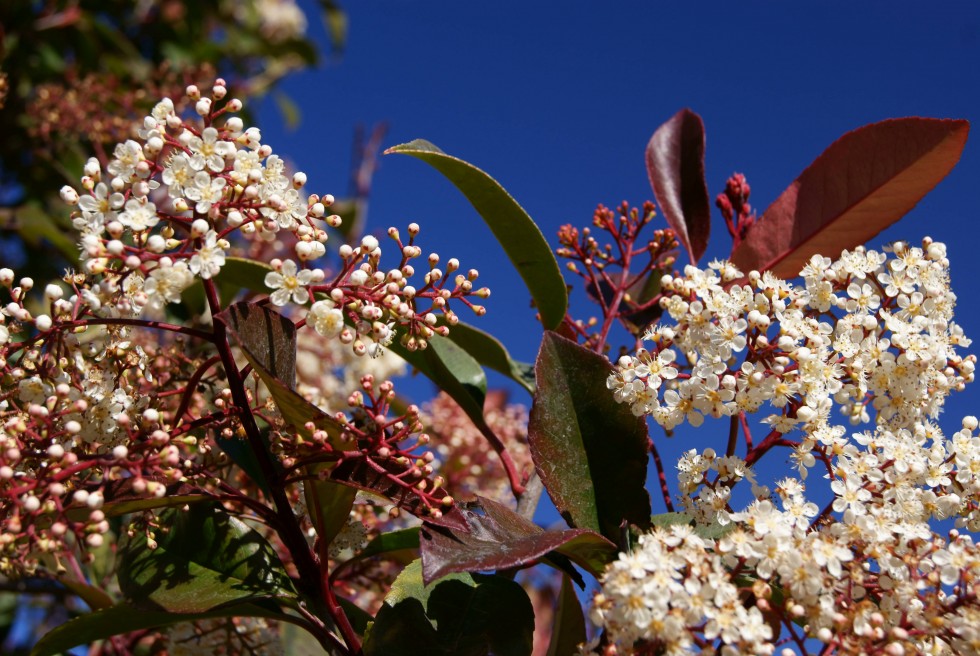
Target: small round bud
point(368, 244)
point(69, 195)
point(199, 228)
point(203, 106)
point(53, 292)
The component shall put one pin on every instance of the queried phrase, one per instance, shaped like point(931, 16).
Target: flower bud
point(69, 195)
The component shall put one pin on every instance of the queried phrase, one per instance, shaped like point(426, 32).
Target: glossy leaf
point(406, 538)
point(675, 166)
point(489, 352)
point(568, 631)
point(521, 239)
point(590, 452)
point(358, 617)
point(502, 539)
point(206, 559)
point(329, 504)
point(240, 452)
point(139, 505)
point(460, 615)
point(268, 342)
point(864, 182)
point(117, 620)
point(297, 642)
point(91, 595)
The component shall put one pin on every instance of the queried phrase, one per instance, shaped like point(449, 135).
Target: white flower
point(98, 208)
point(326, 319)
point(209, 151)
point(288, 283)
point(209, 258)
point(126, 157)
point(178, 174)
point(205, 191)
point(166, 282)
point(285, 210)
point(138, 215)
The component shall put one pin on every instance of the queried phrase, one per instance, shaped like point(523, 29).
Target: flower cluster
point(670, 583)
point(892, 349)
point(869, 573)
point(167, 208)
point(866, 575)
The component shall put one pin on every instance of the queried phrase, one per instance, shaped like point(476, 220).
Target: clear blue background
point(557, 101)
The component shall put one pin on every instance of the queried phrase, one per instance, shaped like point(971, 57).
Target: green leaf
point(124, 619)
point(489, 352)
point(406, 538)
point(241, 453)
point(517, 233)
point(122, 499)
point(712, 531)
point(268, 342)
point(297, 642)
point(207, 558)
point(459, 615)
point(668, 519)
point(590, 452)
point(35, 226)
point(359, 618)
point(91, 595)
point(455, 372)
point(139, 505)
point(568, 631)
point(329, 504)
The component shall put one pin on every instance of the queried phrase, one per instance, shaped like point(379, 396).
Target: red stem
point(664, 490)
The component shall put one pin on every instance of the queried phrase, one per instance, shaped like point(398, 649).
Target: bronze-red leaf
point(865, 181)
point(675, 165)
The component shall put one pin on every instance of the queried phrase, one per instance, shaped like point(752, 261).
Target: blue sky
point(558, 105)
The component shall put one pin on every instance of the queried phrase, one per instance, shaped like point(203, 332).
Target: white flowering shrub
point(200, 438)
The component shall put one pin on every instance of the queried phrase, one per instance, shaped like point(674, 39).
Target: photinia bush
point(203, 443)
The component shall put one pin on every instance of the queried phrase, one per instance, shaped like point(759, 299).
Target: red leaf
point(502, 539)
point(675, 165)
point(864, 182)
